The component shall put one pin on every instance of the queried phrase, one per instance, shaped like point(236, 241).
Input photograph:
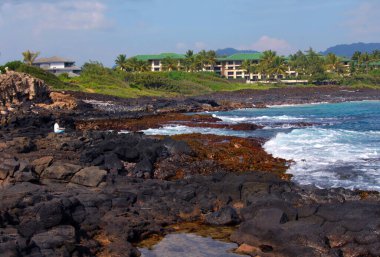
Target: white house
point(58, 65)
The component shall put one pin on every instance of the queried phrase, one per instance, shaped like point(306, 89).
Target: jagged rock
point(90, 176)
point(225, 216)
point(63, 100)
point(61, 171)
point(16, 88)
point(8, 167)
point(61, 237)
point(42, 163)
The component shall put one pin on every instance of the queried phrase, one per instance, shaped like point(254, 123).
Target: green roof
point(242, 57)
point(159, 56)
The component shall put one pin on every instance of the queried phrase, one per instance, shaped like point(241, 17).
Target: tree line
point(305, 64)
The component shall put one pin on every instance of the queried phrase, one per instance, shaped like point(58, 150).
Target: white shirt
point(56, 128)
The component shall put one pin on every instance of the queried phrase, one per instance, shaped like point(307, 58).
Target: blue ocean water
point(340, 149)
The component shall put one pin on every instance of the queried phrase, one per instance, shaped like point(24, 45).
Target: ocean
point(331, 145)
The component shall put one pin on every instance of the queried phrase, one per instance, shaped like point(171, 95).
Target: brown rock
point(248, 249)
point(62, 172)
point(16, 88)
point(42, 163)
point(90, 176)
point(61, 101)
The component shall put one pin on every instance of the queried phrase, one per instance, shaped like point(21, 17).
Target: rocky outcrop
point(16, 88)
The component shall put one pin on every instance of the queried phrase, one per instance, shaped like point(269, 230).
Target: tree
point(315, 63)
point(169, 64)
point(278, 66)
point(298, 62)
point(30, 57)
point(266, 62)
point(122, 62)
point(334, 63)
point(249, 67)
point(189, 61)
point(135, 65)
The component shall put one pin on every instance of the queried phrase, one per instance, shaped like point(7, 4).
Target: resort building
point(58, 65)
point(155, 60)
point(229, 67)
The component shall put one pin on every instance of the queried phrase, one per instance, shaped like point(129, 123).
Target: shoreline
point(99, 192)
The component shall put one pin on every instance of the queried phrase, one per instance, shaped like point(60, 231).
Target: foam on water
point(240, 119)
point(170, 130)
point(330, 157)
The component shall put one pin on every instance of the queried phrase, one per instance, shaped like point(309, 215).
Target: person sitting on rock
point(58, 129)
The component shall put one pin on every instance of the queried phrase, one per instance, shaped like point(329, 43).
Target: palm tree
point(202, 58)
point(334, 64)
point(249, 67)
point(122, 62)
point(30, 57)
point(169, 64)
point(278, 66)
point(266, 63)
point(188, 63)
point(142, 66)
point(211, 59)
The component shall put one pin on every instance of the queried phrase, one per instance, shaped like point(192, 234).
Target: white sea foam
point(239, 119)
point(330, 158)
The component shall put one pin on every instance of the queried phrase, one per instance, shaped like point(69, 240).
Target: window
point(230, 73)
point(156, 69)
point(156, 63)
point(230, 63)
point(237, 62)
point(239, 73)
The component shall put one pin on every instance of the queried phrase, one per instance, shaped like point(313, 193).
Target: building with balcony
point(229, 67)
point(58, 65)
point(155, 60)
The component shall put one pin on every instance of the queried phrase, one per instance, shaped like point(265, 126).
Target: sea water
point(332, 145)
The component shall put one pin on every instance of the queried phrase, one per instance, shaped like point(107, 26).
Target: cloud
point(269, 43)
point(200, 45)
point(181, 46)
point(62, 15)
point(363, 21)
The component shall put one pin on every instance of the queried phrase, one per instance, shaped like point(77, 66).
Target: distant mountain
point(231, 51)
point(349, 50)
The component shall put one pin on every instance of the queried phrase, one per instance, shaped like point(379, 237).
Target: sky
point(99, 30)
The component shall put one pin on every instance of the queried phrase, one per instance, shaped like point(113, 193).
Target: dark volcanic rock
point(225, 216)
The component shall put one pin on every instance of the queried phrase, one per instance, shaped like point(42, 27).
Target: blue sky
point(99, 30)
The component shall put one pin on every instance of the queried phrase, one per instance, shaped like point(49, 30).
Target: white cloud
point(269, 43)
point(200, 45)
point(363, 21)
point(65, 14)
point(181, 46)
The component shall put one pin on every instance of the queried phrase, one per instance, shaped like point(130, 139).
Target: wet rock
point(90, 177)
point(225, 216)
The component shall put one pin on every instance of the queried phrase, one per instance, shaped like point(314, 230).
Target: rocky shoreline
point(92, 192)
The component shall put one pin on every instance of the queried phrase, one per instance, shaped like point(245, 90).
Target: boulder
point(56, 238)
point(63, 172)
point(8, 167)
point(90, 176)
point(42, 163)
point(225, 216)
point(16, 88)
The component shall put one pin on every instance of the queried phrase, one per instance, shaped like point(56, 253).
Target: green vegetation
point(189, 74)
point(96, 78)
